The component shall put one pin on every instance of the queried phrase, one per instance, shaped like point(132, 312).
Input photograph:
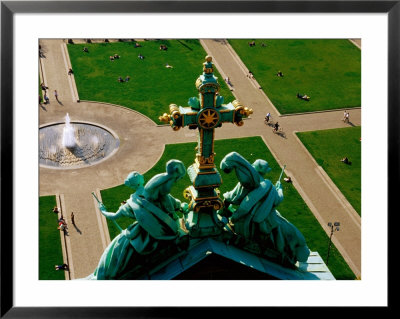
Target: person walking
point(44, 87)
point(72, 218)
point(344, 116)
point(46, 99)
point(56, 95)
point(267, 117)
point(347, 117)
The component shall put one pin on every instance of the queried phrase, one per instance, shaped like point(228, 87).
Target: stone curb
point(102, 223)
point(123, 107)
point(322, 111)
point(64, 248)
point(355, 43)
point(71, 78)
point(42, 74)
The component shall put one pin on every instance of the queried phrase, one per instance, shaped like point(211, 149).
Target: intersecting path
point(142, 143)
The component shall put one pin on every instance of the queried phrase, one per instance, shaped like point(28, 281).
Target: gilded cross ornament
point(205, 113)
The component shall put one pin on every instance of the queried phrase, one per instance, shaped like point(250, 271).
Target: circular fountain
point(75, 144)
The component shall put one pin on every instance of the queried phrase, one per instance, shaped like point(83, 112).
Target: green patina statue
point(258, 224)
point(154, 223)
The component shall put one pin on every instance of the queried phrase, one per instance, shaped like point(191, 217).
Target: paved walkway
point(142, 143)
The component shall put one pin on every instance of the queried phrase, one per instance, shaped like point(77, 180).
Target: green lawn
point(293, 207)
point(328, 147)
point(329, 71)
point(152, 86)
point(40, 90)
point(50, 251)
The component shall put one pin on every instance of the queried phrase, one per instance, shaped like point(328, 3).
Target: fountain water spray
point(68, 134)
point(75, 145)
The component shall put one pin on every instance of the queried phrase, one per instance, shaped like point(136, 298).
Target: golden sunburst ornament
point(208, 119)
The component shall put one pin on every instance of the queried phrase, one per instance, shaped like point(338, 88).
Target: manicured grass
point(40, 90)
point(328, 147)
point(50, 251)
point(329, 71)
point(152, 87)
point(293, 207)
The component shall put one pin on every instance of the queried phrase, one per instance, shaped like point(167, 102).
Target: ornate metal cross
point(205, 114)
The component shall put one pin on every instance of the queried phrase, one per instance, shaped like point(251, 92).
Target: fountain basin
point(92, 144)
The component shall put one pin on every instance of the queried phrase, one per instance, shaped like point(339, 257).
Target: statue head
point(175, 168)
point(261, 166)
point(134, 180)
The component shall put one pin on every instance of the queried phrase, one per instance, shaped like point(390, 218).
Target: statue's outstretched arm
point(278, 187)
point(177, 203)
point(110, 215)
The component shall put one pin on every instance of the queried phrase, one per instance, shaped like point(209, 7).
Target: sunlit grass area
point(327, 70)
point(152, 87)
point(328, 147)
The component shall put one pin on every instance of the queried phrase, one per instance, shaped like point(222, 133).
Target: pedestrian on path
point(72, 218)
point(347, 117)
point(44, 87)
point(56, 95)
point(344, 116)
point(41, 55)
point(46, 99)
point(62, 225)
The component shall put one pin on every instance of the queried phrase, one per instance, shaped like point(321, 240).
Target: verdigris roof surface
point(313, 269)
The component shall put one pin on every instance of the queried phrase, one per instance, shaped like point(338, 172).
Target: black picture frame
point(9, 8)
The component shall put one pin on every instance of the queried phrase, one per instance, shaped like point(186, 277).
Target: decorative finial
point(207, 66)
